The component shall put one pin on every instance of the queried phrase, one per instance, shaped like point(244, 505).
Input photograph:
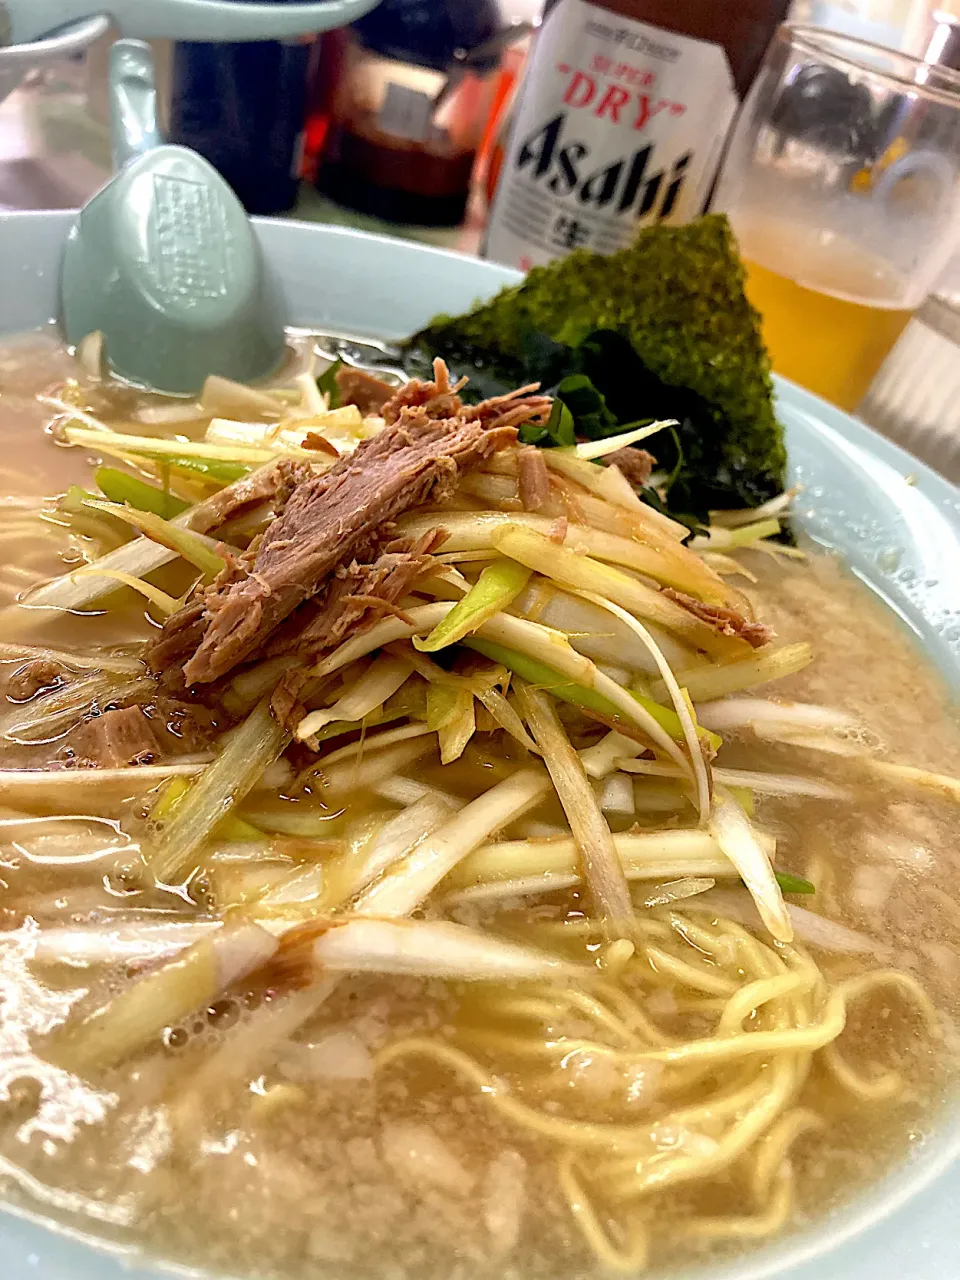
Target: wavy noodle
point(693, 974)
point(883, 1083)
point(774, 1149)
point(630, 1259)
point(750, 1226)
point(772, 1013)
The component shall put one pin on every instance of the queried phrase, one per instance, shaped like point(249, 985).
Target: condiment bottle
point(621, 120)
point(242, 107)
point(407, 110)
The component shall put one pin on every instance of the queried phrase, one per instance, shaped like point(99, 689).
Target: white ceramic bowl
point(896, 523)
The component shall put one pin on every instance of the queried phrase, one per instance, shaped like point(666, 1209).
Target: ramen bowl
point(895, 524)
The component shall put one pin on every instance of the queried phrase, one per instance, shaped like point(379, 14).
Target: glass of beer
point(842, 183)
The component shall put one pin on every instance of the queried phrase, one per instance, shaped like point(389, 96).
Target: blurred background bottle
point(242, 107)
point(621, 120)
point(403, 99)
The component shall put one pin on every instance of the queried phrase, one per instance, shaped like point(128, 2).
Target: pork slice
point(182, 633)
point(356, 594)
point(534, 479)
point(728, 622)
point(327, 519)
point(113, 740)
point(181, 727)
point(29, 680)
point(366, 391)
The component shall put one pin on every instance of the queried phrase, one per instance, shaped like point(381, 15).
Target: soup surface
point(181, 1068)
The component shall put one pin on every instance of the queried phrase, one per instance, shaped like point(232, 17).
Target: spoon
point(163, 260)
point(383, 359)
point(23, 21)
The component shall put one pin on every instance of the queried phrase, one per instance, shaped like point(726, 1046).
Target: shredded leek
point(734, 833)
point(454, 734)
point(107, 533)
point(684, 710)
point(164, 602)
point(275, 438)
point(598, 854)
point(108, 790)
point(213, 470)
point(720, 539)
point(231, 399)
point(670, 564)
point(122, 487)
point(422, 618)
point(942, 784)
point(97, 659)
point(139, 557)
point(409, 882)
point(542, 676)
point(770, 784)
point(590, 450)
point(367, 695)
point(707, 683)
point(789, 883)
point(231, 828)
point(732, 519)
point(505, 717)
point(434, 948)
point(140, 1012)
point(192, 547)
point(595, 480)
point(653, 855)
point(496, 588)
point(123, 446)
point(395, 838)
point(441, 705)
point(594, 631)
point(247, 752)
point(572, 569)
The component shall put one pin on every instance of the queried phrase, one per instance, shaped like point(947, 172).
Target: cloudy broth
point(233, 1145)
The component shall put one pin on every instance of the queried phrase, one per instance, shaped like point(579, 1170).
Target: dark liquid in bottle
point(392, 178)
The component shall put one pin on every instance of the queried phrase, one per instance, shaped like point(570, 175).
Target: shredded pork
point(533, 479)
point(728, 622)
point(353, 592)
point(636, 464)
point(272, 484)
point(366, 391)
point(440, 398)
point(328, 553)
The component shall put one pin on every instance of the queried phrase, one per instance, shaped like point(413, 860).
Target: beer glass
point(842, 183)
